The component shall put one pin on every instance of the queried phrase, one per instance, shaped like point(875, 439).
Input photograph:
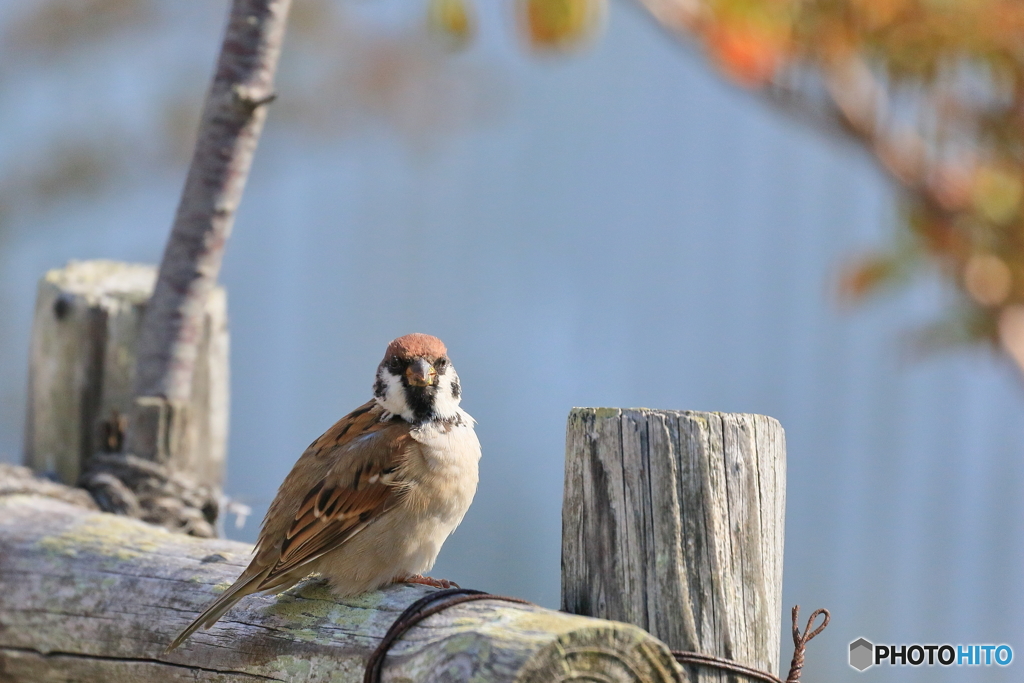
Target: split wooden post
point(674, 521)
point(82, 369)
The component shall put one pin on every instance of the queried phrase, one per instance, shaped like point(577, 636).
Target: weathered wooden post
point(82, 368)
point(674, 521)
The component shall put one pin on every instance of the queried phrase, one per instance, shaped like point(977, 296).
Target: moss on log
point(92, 597)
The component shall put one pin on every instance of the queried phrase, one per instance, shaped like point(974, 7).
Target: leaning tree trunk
point(231, 123)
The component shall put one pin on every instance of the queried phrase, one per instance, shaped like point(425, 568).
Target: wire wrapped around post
point(796, 667)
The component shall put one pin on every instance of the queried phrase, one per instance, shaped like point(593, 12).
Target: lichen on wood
point(95, 598)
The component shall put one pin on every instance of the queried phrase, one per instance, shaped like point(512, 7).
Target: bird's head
point(416, 381)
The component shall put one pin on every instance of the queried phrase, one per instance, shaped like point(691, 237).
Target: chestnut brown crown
point(416, 345)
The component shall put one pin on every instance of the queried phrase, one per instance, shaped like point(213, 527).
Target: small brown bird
point(371, 501)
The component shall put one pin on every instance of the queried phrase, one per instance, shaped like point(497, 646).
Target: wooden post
point(95, 598)
point(82, 370)
point(674, 521)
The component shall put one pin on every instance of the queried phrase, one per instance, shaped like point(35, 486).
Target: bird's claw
point(428, 581)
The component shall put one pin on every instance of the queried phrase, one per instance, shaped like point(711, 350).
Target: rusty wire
point(443, 599)
point(711, 661)
point(800, 641)
point(417, 612)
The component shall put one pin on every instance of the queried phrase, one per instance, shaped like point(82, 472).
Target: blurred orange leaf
point(748, 52)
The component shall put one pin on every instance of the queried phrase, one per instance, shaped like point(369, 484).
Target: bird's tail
point(216, 609)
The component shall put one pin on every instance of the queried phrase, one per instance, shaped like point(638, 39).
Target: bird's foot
point(428, 581)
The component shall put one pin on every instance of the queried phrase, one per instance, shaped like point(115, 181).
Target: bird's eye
point(395, 363)
point(441, 364)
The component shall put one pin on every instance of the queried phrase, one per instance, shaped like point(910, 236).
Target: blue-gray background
point(615, 228)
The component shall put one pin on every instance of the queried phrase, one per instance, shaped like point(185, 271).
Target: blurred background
point(654, 203)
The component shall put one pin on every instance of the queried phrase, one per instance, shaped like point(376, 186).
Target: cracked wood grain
point(674, 521)
point(90, 597)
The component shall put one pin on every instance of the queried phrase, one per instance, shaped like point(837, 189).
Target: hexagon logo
point(861, 652)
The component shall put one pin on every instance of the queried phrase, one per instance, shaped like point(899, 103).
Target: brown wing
point(353, 474)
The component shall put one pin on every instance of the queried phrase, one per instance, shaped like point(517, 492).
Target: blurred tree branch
point(934, 93)
point(58, 29)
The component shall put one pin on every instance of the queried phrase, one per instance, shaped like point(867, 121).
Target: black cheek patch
point(456, 388)
point(379, 388)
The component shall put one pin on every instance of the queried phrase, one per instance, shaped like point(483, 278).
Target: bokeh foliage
point(934, 91)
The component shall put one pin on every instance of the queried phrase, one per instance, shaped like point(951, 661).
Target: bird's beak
point(420, 373)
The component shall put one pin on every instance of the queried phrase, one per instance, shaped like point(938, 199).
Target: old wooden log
point(82, 369)
point(674, 521)
point(91, 597)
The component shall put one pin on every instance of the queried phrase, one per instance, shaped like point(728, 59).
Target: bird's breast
point(445, 470)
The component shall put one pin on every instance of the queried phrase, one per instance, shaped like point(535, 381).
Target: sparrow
point(372, 500)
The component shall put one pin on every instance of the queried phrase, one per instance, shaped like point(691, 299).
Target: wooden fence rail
point(90, 597)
